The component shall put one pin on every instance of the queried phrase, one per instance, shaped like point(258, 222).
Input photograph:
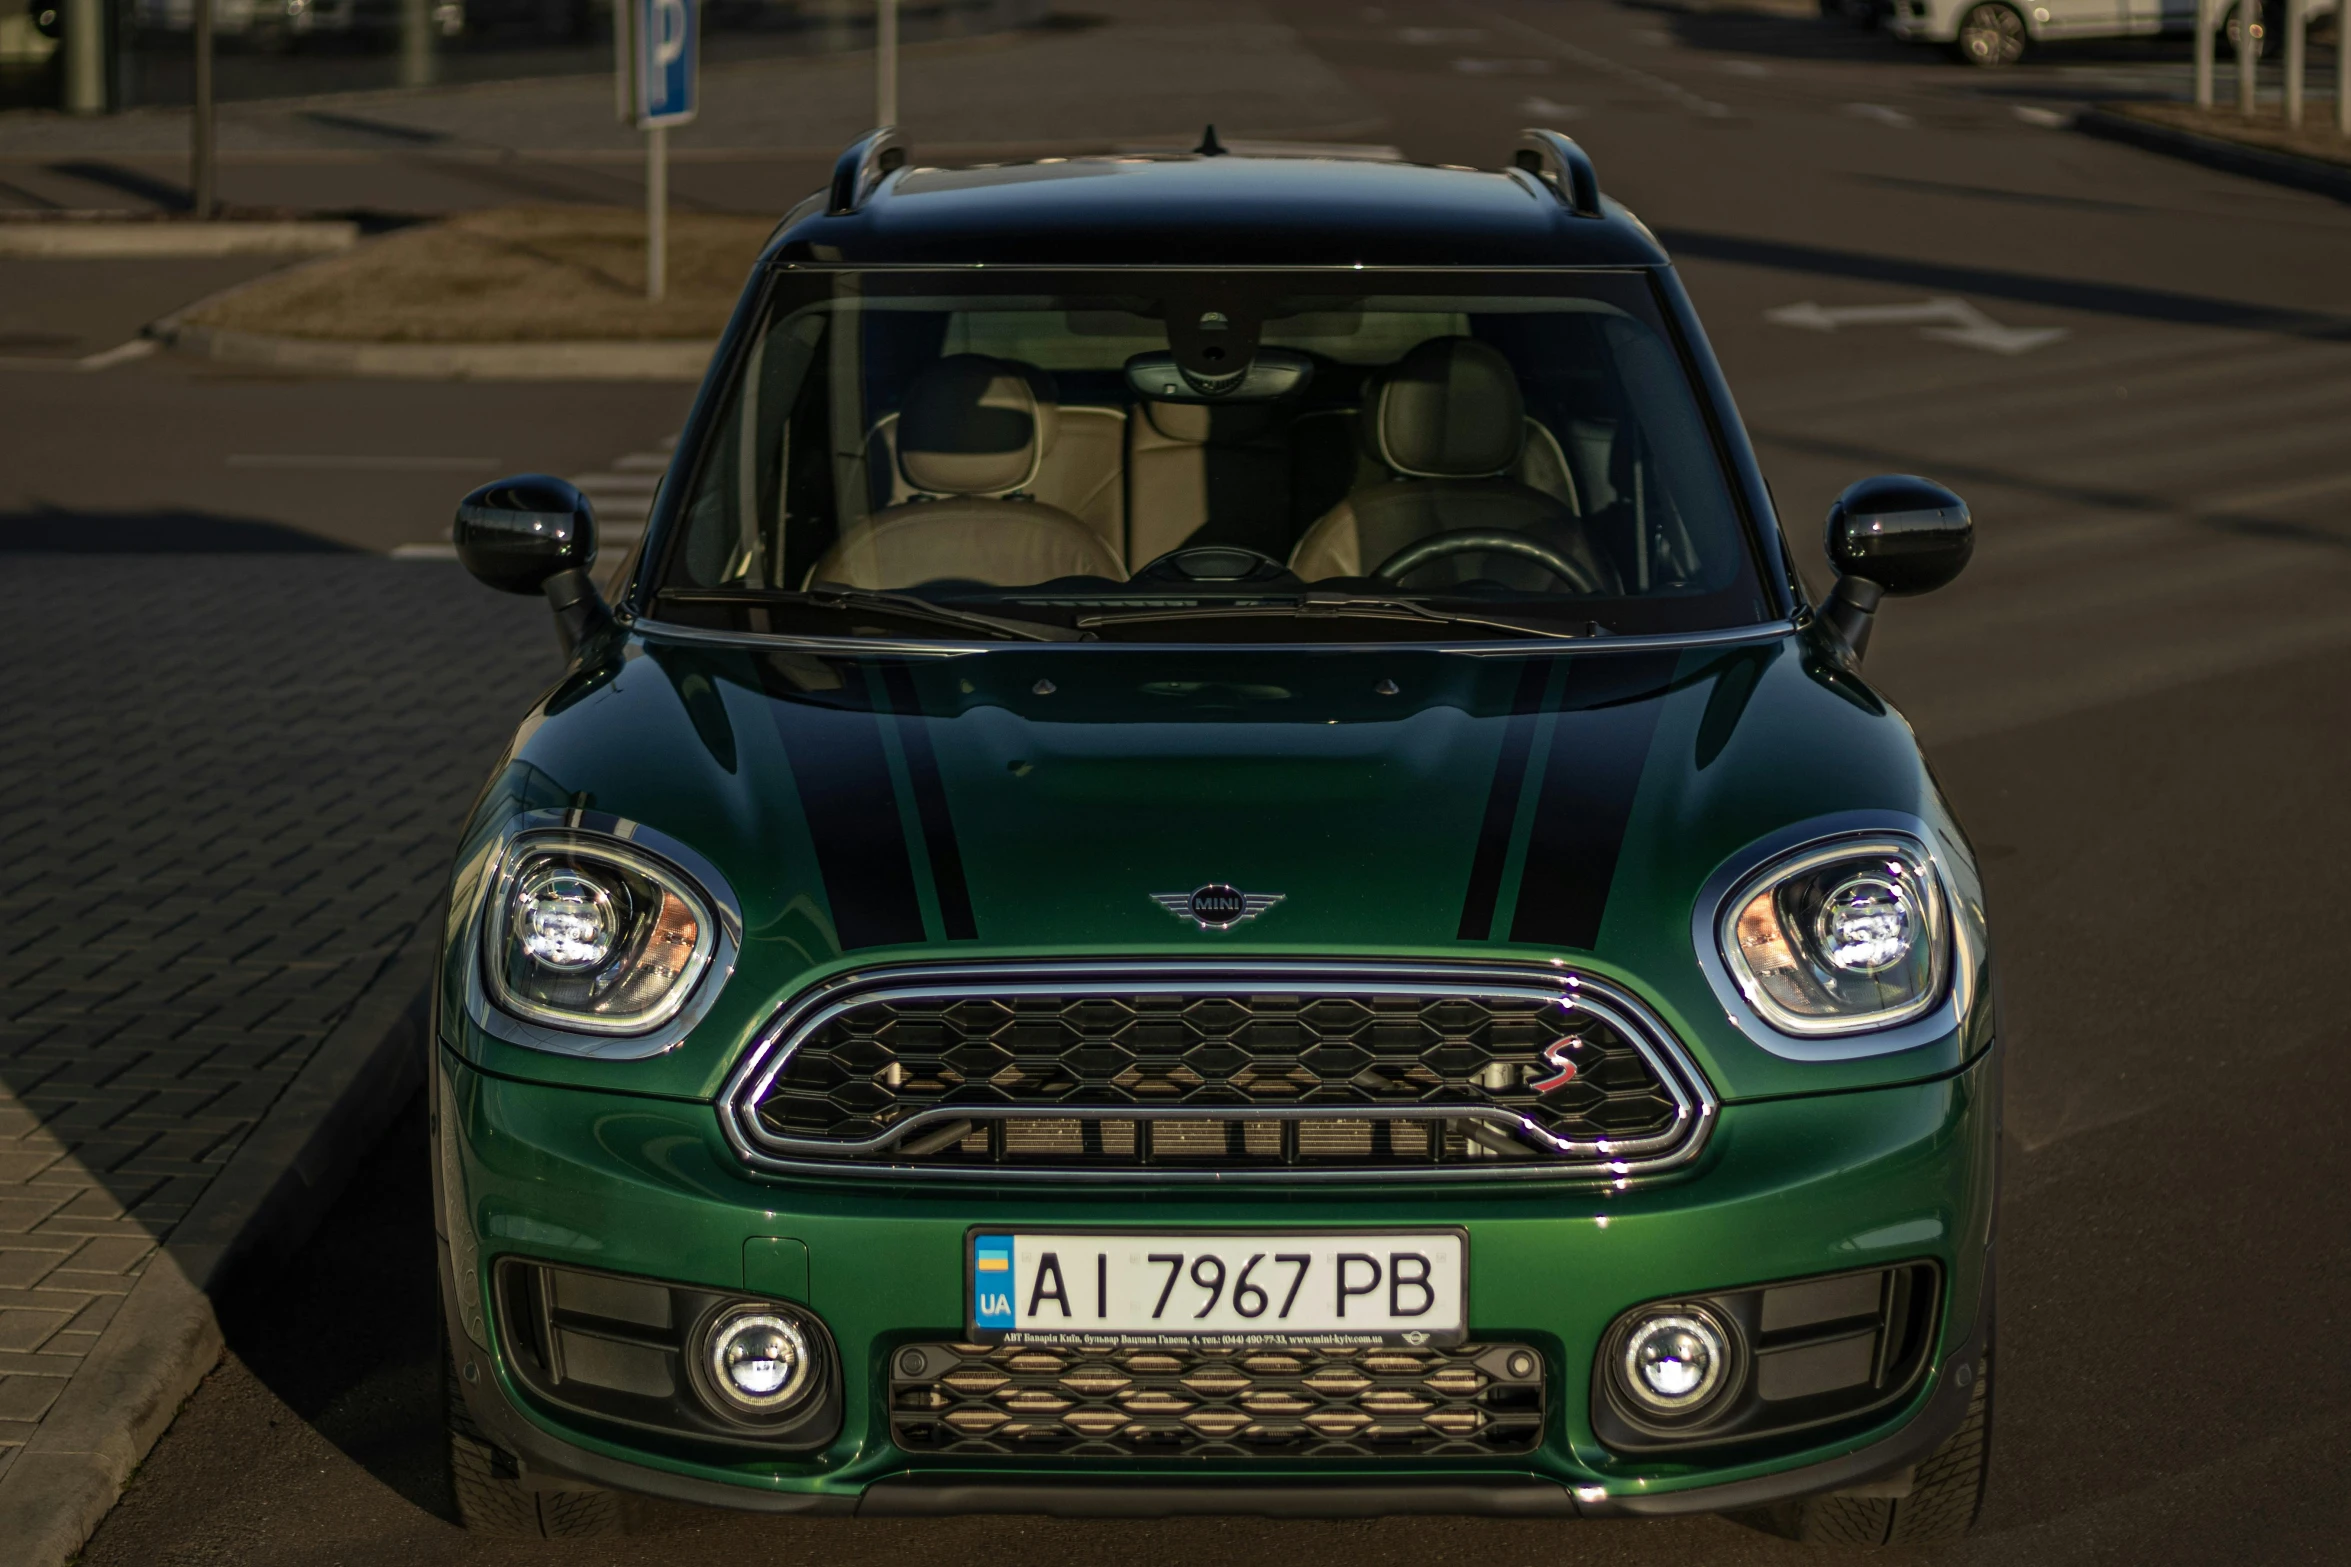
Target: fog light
point(758, 1362)
point(1674, 1363)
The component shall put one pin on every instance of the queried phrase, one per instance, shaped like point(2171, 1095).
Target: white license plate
point(1343, 1287)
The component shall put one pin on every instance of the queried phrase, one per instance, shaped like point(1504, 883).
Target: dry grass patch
point(515, 274)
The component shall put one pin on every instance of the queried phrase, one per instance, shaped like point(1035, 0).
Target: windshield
point(1151, 455)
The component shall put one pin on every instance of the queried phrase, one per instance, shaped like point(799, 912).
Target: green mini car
point(1210, 862)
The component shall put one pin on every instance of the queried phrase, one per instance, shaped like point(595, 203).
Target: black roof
point(1209, 210)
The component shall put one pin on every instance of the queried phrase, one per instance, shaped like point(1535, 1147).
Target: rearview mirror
point(1270, 373)
point(535, 534)
point(1895, 534)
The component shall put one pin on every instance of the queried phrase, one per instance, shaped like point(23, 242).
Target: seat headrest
point(972, 425)
point(1449, 409)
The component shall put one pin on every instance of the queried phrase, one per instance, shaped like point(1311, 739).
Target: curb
point(2279, 168)
point(609, 361)
point(172, 241)
point(166, 1339)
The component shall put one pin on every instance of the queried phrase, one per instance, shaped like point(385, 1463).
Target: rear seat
point(1201, 475)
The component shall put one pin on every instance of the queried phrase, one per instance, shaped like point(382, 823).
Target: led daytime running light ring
point(1745, 939)
point(522, 859)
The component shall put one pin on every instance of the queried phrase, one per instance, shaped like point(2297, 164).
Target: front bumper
point(1786, 1188)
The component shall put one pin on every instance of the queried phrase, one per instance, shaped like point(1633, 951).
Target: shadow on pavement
point(56, 531)
point(2107, 299)
point(343, 1331)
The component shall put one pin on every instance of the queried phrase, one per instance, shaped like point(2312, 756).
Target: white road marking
point(1752, 69)
point(1503, 67)
point(1440, 35)
point(621, 494)
point(1880, 113)
point(1579, 55)
point(2047, 119)
point(104, 359)
point(1543, 108)
point(1947, 320)
point(358, 461)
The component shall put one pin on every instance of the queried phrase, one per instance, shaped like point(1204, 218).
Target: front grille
point(1268, 1072)
point(1474, 1401)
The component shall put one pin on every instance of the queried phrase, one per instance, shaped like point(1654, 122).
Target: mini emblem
point(1216, 906)
point(1555, 1056)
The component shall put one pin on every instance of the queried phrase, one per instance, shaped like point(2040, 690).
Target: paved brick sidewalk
point(229, 787)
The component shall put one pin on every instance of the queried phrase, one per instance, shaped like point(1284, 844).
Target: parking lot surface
point(2139, 374)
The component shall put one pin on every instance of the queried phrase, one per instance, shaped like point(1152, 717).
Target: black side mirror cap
point(513, 534)
point(1895, 534)
point(535, 533)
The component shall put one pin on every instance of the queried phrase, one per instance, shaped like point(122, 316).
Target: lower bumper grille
point(972, 1400)
point(1254, 1070)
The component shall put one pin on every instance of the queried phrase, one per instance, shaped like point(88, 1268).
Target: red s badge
point(1555, 1055)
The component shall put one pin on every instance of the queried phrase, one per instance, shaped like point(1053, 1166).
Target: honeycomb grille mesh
point(1473, 1401)
point(1210, 1079)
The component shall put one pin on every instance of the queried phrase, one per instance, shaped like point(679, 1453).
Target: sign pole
point(656, 212)
point(885, 62)
point(656, 58)
point(200, 175)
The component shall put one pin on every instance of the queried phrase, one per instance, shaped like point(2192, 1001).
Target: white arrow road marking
point(1945, 319)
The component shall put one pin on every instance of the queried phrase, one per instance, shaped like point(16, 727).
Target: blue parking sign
point(667, 39)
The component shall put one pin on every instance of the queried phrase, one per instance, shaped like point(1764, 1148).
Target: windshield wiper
point(1350, 606)
point(901, 604)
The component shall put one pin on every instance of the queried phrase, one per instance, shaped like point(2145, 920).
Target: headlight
point(593, 938)
point(1840, 937)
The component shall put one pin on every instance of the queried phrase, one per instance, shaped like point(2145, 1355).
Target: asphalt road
point(2136, 696)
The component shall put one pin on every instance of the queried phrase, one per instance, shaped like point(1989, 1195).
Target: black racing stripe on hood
point(1599, 741)
point(930, 804)
point(1510, 768)
point(843, 775)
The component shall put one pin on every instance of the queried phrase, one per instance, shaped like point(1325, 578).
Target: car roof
point(1208, 209)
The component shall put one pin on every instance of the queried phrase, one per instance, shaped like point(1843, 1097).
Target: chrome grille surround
point(1534, 1152)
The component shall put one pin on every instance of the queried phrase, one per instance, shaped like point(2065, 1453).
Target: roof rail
point(1552, 158)
point(861, 167)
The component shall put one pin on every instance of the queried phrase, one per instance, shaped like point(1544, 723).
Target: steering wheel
point(1485, 541)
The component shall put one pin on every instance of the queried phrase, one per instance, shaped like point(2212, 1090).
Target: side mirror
point(535, 534)
point(1893, 534)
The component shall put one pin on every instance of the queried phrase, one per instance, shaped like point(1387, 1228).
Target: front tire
point(1946, 1493)
point(491, 1497)
point(1991, 35)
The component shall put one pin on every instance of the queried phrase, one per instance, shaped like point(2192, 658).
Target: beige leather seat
point(973, 433)
point(1447, 422)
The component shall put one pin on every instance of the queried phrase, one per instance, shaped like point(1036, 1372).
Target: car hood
point(887, 809)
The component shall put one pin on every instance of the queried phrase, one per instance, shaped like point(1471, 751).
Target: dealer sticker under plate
point(1333, 1287)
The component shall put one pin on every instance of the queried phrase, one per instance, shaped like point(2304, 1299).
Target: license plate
point(1345, 1287)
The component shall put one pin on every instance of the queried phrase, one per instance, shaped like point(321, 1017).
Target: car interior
point(1431, 451)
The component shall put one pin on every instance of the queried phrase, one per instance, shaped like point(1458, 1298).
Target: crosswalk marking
point(622, 493)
